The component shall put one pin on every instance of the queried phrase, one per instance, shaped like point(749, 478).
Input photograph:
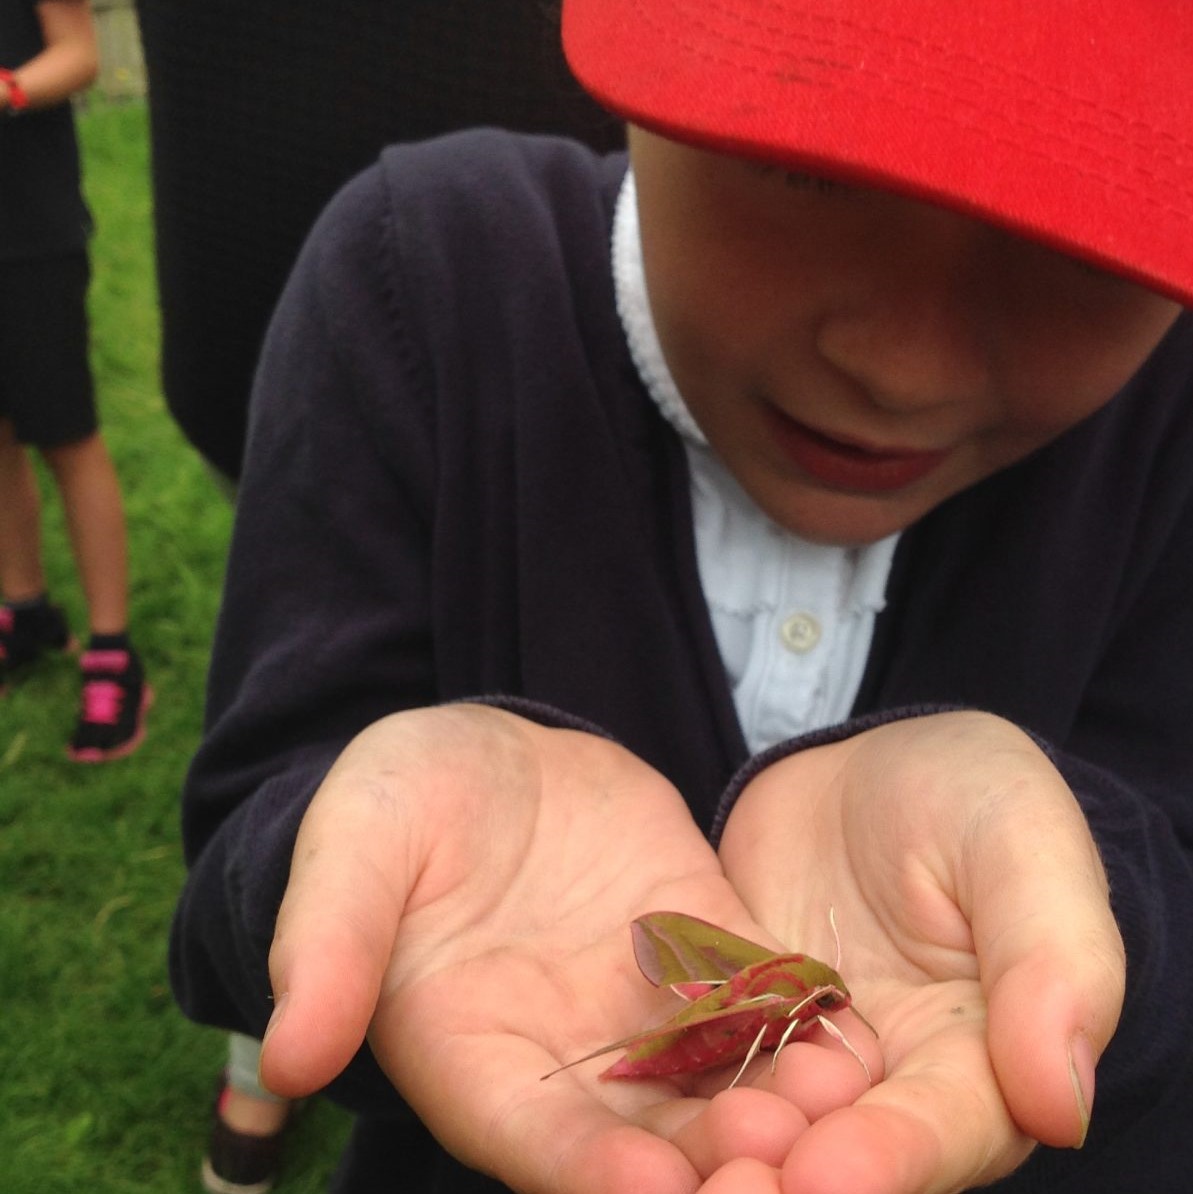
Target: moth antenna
point(832, 921)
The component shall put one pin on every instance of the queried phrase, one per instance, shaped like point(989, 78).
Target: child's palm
point(976, 935)
point(479, 931)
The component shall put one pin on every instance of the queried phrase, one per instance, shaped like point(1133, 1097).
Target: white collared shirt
point(793, 620)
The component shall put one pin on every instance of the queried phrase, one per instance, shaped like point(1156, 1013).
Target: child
point(816, 488)
point(224, 95)
point(46, 398)
point(333, 86)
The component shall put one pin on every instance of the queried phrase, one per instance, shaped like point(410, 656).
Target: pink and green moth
point(743, 998)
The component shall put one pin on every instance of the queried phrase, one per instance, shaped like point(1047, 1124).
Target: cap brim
point(1067, 122)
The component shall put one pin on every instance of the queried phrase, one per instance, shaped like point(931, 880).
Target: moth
point(742, 999)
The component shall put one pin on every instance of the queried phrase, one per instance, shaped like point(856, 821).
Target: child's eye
point(810, 182)
point(798, 179)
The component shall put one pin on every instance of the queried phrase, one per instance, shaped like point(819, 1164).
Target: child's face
point(855, 357)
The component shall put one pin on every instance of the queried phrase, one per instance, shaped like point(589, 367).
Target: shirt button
point(800, 633)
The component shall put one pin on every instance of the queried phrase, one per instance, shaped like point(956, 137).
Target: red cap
point(1068, 121)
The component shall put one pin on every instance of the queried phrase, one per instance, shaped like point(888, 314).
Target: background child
point(48, 52)
point(256, 124)
point(861, 524)
point(339, 83)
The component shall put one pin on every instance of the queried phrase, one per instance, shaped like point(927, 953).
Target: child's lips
point(848, 465)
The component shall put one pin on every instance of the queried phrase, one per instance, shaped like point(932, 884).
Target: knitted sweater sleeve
point(324, 623)
point(1145, 1077)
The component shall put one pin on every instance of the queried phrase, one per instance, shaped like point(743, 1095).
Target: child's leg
point(115, 695)
point(29, 624)
point(248, 1106)
point(90, 493)
point(21, 576)
point(244, 1152)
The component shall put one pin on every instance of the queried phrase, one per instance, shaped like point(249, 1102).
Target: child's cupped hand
point(461, 892)
point(976, 935)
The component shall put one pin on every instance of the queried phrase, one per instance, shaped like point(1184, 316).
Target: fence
point(122, 68)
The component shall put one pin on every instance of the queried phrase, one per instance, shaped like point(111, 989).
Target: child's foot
point(113, 707)
point(27, 630)
point(246, 1144)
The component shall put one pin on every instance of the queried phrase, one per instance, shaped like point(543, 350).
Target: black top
point(42, 212)
point(257, 120)
point(456, 485)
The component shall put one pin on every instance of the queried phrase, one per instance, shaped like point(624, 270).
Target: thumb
point(1052, 964)
point(1047, 1030)
point(334, 937)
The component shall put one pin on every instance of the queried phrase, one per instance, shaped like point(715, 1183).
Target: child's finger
point(742, 1123)
point(917, 1133)
point(334, 936)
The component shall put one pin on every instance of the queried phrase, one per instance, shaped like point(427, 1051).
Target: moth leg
point(796, 1025)
point(798, 1022)
point(750, 1055)
point(795, 1014)
point(838, 1035)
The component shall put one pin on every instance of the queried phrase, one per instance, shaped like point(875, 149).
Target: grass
point(105, 1086)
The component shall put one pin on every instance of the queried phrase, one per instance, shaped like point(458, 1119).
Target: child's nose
point(907, 325)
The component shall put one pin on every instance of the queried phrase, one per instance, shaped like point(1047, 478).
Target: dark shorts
point(46, 388)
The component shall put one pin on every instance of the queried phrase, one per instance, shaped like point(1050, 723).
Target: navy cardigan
point(455, 485)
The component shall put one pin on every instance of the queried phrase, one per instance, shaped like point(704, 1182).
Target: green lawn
point(104, 1086)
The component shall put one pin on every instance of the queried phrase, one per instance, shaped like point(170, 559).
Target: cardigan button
point(800, 633)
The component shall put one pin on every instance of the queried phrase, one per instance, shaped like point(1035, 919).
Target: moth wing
point(673, 949)
point(666, 1035)
point(626, 1043)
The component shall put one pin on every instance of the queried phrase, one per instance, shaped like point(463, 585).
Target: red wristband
point(18, 101)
